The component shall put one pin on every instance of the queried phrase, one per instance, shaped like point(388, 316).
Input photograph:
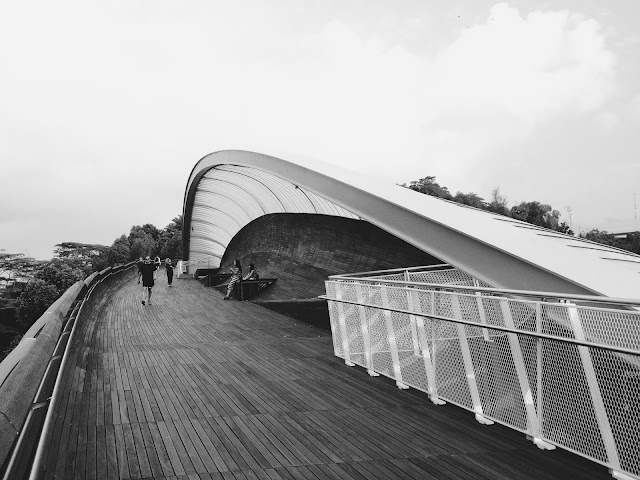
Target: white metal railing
point(563, 369)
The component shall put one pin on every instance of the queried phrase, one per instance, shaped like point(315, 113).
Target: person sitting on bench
point(236, 276)
point(252, 275)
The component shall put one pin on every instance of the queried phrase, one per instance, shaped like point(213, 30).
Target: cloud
point(119, 100)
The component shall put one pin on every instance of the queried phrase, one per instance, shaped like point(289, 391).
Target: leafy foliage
point(429, 186)
point(36, 297)
point(533, 212)
point(631, 242)
point(119, 252)
point(87, 257)
point(170, 241)
point(17, 267)
point(60, 273)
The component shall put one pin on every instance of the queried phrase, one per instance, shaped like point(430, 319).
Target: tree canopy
point(533, 212)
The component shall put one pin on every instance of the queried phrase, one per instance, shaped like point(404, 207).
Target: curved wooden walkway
point(199, 388)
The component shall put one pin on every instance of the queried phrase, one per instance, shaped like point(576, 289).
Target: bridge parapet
point(563, 369)
point(28, 375)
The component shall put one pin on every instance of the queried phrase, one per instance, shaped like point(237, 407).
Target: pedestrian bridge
point(507, 337)
point(195, 387)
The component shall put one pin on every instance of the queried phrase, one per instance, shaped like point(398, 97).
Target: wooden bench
point(215, 279)
point(248, 288)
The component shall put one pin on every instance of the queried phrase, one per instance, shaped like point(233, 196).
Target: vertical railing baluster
point(366, 332)
point(391, 337)
point(342, 322)
point(521, 373)
point(594, 389)
point(468, 363)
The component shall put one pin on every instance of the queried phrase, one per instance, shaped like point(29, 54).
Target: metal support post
point(391, 337)
point(411, 297)
point(342, 322)
point(521, 372)
point(483, 317)
point(594, 389)
point(366, 335)
point(468, 363)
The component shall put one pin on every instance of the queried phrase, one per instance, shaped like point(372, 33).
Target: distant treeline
point(29, 286)
point(534, 212)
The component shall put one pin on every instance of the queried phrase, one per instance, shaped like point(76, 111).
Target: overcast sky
point(106, 106)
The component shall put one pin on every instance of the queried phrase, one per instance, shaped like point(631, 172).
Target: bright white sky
point(105, 106)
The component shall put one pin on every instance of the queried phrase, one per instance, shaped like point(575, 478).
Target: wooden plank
point(90, 465)
point(167, 454)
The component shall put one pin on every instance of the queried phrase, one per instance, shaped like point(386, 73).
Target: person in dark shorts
point(148, 271)
point(236, 276)
point(140, 263)
point(168, 266)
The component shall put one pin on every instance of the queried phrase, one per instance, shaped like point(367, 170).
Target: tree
point(537, 213)
point(143, 241)
point(119, 252)
point(600, 236)
point(429, 186)
point(88, 257)
point(471, 199)
point(170, 241)
point(17, 267)
point(60, 273)
point(36, 297)
point(498, 203)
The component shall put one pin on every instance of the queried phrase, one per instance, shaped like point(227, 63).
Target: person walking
point(236, 276)
point(168, 266)
point(140, 264)
point(157, 263)
point(148, 273)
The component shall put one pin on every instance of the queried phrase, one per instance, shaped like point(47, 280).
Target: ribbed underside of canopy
point(228, 197)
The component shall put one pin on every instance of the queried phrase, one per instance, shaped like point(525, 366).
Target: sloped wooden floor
point(195, 387)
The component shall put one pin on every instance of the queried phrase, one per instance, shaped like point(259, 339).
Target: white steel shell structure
point(228, 189)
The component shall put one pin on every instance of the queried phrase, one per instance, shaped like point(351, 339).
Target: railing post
point(427, 358)
point(391, 337)
point(342, 322)
point(483, 317)
point(521, 372)
point(412, 318)
point(594, 390)
point(366, 335)
point(468, 363)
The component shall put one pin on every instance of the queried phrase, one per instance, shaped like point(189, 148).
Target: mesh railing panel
point(583, 398)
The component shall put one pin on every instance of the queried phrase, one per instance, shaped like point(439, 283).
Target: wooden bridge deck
point(195, 387)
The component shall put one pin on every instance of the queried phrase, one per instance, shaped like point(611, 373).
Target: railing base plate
point(373, 373)
point(542, 445)
point(349, 364)
point(437, 400)
point(483, 420)
point(620, 475)
point(402, 386)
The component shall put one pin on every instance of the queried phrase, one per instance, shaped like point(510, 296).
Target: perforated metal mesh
point(583, 398)
point(451, 276)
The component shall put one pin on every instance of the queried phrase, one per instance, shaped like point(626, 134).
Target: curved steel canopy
point(228, 189)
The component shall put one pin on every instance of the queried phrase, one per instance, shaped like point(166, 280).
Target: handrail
point(528, 333)
point(506, 291)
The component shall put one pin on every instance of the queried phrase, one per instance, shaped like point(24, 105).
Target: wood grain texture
point(196, 387)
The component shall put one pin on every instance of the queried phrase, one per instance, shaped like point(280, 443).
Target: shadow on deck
point(195, 387)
